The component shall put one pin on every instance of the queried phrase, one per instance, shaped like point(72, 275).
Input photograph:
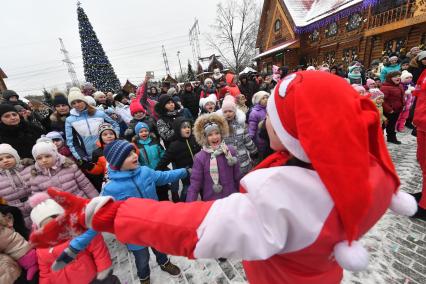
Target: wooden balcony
point(403, 12)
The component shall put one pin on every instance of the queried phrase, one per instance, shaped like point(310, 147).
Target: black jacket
point(21, 137)
point(152, 124)
point(181, 151)
point(190, 101)
point(248, 89)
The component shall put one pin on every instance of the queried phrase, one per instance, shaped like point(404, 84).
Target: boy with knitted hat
point(140, 114)
point(330, 180)
point(150, 150)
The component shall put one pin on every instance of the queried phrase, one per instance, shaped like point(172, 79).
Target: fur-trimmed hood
point(240, 116)
point(202, 120)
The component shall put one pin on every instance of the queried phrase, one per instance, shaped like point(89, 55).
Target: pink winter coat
point(95, 258)
point(15, 190)
point(64, 175)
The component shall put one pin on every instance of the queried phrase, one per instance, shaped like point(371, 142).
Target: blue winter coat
point(150, 152)
point(388, 69)
point(140, 183)
point(87, 129)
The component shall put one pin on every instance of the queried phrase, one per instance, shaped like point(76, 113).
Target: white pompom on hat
point(8, 149)
point(405, 74)
point(76, 96)
point(210, 99)
point(43, 208)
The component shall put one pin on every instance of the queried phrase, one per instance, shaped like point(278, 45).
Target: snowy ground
point(397, 245)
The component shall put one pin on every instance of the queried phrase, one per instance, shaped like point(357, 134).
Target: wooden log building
point(313, 32)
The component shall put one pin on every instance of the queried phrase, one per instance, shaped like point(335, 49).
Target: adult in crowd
point(392, 66)
point(17, 132)
point(189, 99)
point(61, 110)
point(12, 98)
point(249, 87)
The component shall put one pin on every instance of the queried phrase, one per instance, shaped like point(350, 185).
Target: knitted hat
point(136, 106)
point(19, 108)
point(54, 135)
point(43, 208)
point(421, 55)
point(257, 97)
point(44, 146)
point(339, 142)
point(90, 101)
point(6, 108)
point(97, 94)
point(7, 94)
point(369, 82)
point(116, 152)
point(208, 80)
point(405, 75)
point(358, 88)
point(393, 58)
point(76, 95)
point(376, 93)
point(74, 89)
point(59, 99)
point(229, 104)
point(103, 127)
point(171, 92)
point(7, 149)
point(210, 99)
point(310, 68)
point(139, 126)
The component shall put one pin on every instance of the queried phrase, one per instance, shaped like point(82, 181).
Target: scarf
point(214, 170)
point(172, 113)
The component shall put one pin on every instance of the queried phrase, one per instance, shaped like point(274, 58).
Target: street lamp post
point(180, 65)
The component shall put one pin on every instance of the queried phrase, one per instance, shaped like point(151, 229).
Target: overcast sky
point(130, 31)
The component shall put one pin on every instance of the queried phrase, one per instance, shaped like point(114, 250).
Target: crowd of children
point(198, 143)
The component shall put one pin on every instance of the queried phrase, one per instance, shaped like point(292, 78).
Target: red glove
point(66, 226)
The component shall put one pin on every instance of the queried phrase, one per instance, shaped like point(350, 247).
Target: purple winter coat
point(257, 114)
point(65, 175)
point(202, 183)
point(17, 194)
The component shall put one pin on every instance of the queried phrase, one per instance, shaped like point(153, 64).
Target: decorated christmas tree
point(97, 68)
point(191, 75)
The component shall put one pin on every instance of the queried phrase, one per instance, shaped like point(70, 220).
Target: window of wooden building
point(354, 22)
point(314, 36)
point(349, 55)
point(277, 25)
point(394, 46)
point(331, 30)
point(386, 5)
point(330, 58)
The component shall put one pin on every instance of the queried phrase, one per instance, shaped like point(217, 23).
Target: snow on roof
point(305, 13)
point(277, 48)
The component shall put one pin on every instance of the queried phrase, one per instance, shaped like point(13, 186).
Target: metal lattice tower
point(194, 41)
point(166, 62)
point(70, 64)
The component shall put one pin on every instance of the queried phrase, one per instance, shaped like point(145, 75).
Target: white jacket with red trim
point(285, 227)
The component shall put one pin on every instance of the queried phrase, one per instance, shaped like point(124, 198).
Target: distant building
point(2, 83)
point(129, 87)
point(313, 32)
point(206, 65)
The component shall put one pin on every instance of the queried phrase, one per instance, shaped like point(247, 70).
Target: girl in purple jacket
point(256, 117)
point(216, 171)
point(54, 170)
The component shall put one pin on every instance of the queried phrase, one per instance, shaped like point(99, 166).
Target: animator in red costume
point(299, 216)
point(420, 122)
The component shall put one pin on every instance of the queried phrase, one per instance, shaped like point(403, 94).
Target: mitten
point(68, 255)
point(86, 165)
point(29, 263)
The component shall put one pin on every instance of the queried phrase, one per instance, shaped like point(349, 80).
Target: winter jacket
point(152, 124)
point(202, 183)
point(387, 69)
point(165, 126)
point(140, 183)
point(64, 175)
point(21, 137)
point(123, 111)
point(257, 115)
point(190, 101)
point(12, 243)
point(94, 259)
point(99, 162)
point(416, 68)
point(14, 188)
point(420, 112)
point(394, 97)
point(231, 88)
point(239, 138)
point(57, 122)
point(205, 92)
point(150, 152)
point(87, 127)
point(9, 269)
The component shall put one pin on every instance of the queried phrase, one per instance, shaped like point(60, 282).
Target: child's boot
point(170, 268)
point(145, 281)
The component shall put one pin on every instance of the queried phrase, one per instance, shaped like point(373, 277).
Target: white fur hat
point(258, 96)
point(210, 99)
point(44, 146)
point(208, 80)
point(97, 94)
point(76, 95)
point(7, 149)
point(43, 208)
point(405, 74)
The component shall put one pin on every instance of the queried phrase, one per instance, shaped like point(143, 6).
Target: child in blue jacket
point(150, 150)
point(128, 179)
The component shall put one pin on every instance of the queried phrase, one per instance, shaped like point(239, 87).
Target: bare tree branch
point(235, 32)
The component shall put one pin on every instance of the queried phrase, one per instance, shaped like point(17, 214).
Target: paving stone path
point(397, 245)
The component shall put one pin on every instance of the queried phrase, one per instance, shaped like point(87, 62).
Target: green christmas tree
point(97, 68)
point(190, 73)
